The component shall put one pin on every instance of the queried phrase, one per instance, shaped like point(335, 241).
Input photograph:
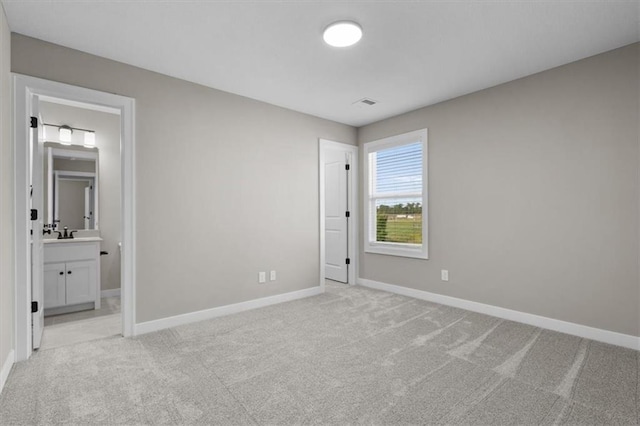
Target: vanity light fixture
point(342, 34)
point(64, 133)
point(89, 139)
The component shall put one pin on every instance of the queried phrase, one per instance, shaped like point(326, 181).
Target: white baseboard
point(579, 330)
point(6, 369)
point(114, 292)
point(150, 326)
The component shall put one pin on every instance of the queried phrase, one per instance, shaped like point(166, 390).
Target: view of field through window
point(397, 194)
point(399, 223)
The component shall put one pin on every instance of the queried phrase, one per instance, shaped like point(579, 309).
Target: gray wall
point(107, 127)
point(226, 186)
point(533, 192)
point(6, 195)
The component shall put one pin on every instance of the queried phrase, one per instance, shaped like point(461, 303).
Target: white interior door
point(37, 203)
point(336, 220)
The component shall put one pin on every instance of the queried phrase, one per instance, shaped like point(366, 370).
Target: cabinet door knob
point(61, 273)
point(69, 272)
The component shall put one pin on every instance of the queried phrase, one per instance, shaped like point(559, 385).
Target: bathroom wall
point(226, 186)
point(6, 200)
point(533, 195)
point(107, 127)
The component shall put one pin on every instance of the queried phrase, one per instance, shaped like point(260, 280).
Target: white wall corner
point(6, 369)
point(191, 317)
point(579, 330)
point(113, 292)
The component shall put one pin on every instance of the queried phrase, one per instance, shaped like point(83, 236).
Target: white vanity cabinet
point(71, 275)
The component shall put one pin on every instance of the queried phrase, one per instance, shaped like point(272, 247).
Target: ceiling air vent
point(366, 101)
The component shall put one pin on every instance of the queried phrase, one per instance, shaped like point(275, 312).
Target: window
point(396, 195)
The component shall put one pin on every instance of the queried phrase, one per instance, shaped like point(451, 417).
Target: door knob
point(61, 273)
point(69, 272)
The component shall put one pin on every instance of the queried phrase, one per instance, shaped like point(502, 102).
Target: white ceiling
point(412, 54)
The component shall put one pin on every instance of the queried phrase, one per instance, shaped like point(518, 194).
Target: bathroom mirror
point(71, 179)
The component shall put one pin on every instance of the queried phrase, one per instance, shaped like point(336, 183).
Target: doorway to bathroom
point(81, 198)
point(75, 251)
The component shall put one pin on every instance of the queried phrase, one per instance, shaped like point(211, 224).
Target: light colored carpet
point(351, 355)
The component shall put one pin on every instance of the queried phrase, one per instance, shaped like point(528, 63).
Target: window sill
point(391, 250)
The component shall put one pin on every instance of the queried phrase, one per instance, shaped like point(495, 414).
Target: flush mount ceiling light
point(342, 34)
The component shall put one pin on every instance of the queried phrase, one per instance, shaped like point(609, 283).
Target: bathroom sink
point(71, 240)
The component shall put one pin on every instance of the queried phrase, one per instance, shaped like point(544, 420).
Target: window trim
point(395, 249)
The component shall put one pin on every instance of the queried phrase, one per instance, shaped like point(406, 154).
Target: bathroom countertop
point(71, 240)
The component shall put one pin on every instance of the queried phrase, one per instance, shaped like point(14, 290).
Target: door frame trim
point(354, 223)
point(23, 87)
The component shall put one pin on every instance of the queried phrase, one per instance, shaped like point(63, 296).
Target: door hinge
point(348, 214)
point(34, 307)
point(34, 122)
point(34, 214)
point(347, 167)
point(348, 261)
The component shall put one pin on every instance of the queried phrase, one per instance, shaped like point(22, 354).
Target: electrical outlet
point(262, 277)
point(272, 275)
point(444, 275)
